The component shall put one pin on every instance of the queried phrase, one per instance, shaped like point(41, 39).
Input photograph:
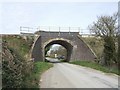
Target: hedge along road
point(64, 75)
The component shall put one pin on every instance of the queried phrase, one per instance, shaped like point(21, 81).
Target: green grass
point(34, 78)
point(18, 43)
point(21, 47)
point(15, 50)
point(96, 66)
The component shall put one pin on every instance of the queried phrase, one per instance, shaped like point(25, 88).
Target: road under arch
point(63, 43)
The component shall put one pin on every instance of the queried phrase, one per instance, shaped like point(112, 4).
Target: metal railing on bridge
point(30, 31)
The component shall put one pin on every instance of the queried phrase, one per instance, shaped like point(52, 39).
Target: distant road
point(64, 75)
point(52, 60)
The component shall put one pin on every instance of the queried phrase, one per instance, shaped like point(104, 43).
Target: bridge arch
point(67, 44)
point(76, 48)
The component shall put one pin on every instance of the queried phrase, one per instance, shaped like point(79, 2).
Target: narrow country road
point(64, 75)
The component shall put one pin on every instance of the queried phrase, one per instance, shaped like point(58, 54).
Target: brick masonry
point(77, 49)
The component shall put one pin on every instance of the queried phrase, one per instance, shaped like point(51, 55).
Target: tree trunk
point(119, 53)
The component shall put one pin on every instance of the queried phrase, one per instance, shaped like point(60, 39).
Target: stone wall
point(77, 49)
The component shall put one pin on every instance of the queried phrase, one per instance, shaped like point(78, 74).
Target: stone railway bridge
point(76, 48)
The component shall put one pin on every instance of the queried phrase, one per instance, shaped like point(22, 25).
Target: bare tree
point(119, 36)
point(106, 28)
point(119, 52)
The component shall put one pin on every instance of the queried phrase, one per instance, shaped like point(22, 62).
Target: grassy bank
point(32, 81)
point(15, 57)
point(19, 44)
point(17, 69)
point(97, 66)
point(96, 44)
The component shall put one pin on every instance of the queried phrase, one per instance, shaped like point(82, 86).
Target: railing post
point(20, 29)
point(69, 30)
point(49, 30)
point(39, 28)
point(79, 30)
point(59, 32)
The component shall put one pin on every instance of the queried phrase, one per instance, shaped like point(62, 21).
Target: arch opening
point(55, 53)
point(64, 44)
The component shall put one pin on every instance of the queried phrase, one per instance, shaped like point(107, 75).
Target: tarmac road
point(64, 75)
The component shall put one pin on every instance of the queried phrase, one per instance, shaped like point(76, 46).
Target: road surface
point(53, 60)
point(64, 75)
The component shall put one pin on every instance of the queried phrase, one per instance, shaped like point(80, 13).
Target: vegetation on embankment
point(20, 44)
point(33, 80)
point(96, 44)
point(18, 71)
point(106, 28)
point(97, 66)
point(14, 68)
point(15, 63)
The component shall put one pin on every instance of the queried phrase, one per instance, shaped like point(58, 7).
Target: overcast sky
point(63, 14)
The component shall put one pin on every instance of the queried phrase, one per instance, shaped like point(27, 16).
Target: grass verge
point(32, 80)
point(96, 66)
